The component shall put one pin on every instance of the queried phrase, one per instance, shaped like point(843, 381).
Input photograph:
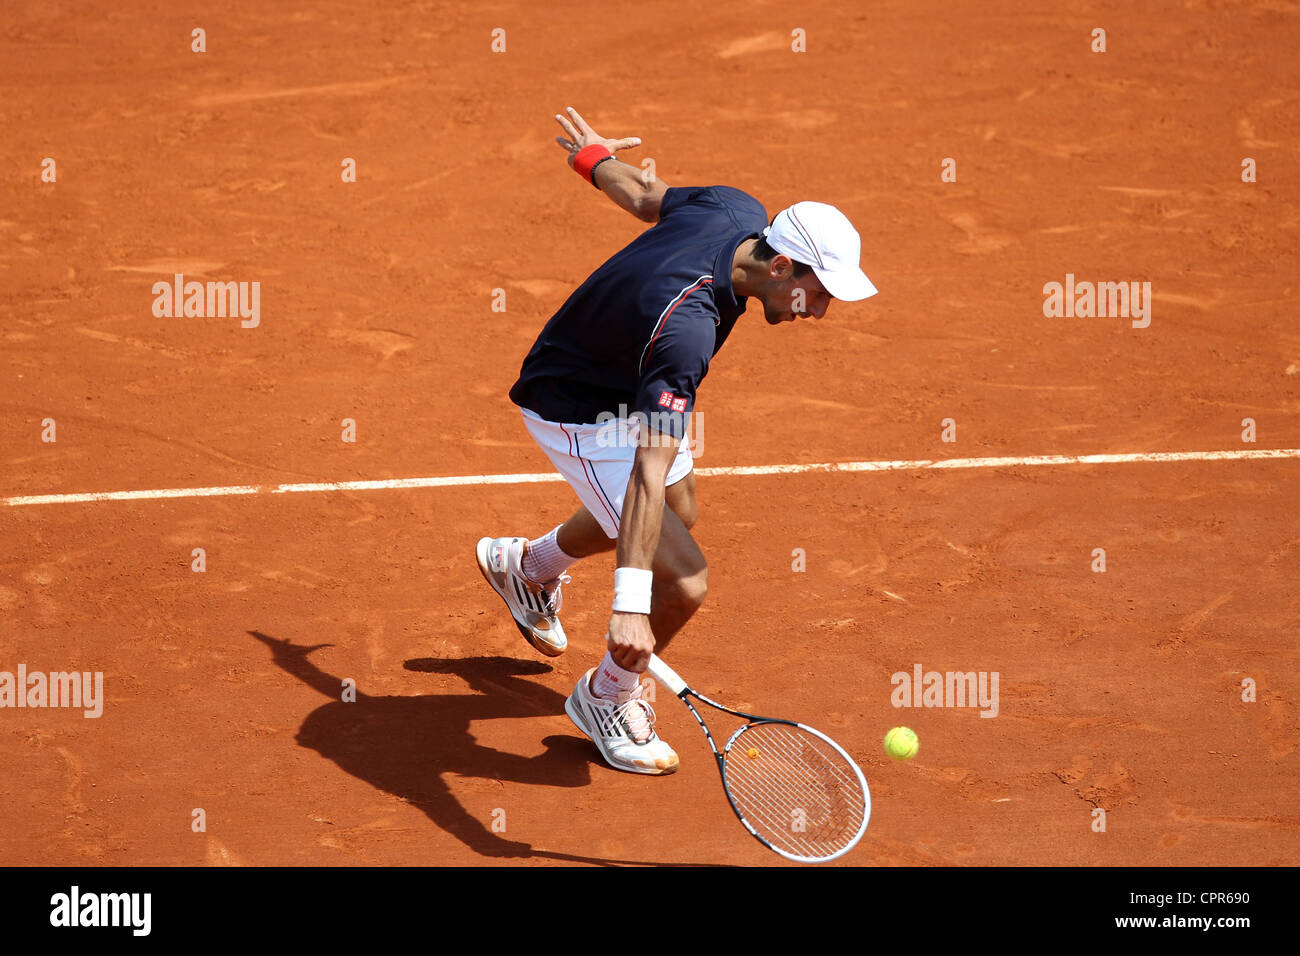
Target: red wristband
point(588, 158)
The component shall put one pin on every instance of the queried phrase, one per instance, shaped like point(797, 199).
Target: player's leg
point(528, 574)
point(681, 573)
point(608, 703)
point(582, 536)
point(681, 580)
point(680, 497)
point(543, 565)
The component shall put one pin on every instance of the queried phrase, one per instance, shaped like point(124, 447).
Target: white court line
point(736, 471)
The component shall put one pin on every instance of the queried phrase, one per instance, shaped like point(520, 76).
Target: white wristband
point(632, 590)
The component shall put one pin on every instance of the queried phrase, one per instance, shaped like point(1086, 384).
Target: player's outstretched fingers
point(569, 129)
point(581, 123)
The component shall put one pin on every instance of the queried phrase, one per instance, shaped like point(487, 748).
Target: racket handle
point(666, 675)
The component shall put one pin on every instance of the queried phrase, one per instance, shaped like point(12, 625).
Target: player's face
point(789, 298)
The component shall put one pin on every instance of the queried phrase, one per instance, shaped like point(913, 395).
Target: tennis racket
point(793, 788)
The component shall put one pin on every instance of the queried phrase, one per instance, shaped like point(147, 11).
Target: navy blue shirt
point(638, 335)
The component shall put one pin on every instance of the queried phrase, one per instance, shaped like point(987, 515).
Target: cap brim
point(849, 285)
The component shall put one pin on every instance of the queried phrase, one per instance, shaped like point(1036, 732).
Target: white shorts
point(596, 461)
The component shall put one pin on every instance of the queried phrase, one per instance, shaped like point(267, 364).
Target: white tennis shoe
point(623, 729)
point(535, 607)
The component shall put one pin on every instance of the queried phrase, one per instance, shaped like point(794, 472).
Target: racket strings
point(803, 801)
point(810, 770)
point(799, 820)
point(800, 794)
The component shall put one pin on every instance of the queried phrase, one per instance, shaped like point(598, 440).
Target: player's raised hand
point(579, 134)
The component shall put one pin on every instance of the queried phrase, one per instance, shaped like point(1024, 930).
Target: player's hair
point(765, 253)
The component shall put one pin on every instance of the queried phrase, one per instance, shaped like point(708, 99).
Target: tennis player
point(607, 392)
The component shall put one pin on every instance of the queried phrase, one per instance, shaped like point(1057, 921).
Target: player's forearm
point(630, 188)
point(642, 519)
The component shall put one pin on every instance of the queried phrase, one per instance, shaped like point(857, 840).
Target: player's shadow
point(407, 745)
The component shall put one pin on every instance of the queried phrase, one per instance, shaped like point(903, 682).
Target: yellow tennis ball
point(901, 743)
point(753, 751)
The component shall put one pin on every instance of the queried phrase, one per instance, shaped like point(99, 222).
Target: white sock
point(545, 560)
point(610, 680)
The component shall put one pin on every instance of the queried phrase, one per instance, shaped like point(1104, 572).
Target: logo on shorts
point(671, 401)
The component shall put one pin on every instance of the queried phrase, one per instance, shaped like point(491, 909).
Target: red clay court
point(1120, 691)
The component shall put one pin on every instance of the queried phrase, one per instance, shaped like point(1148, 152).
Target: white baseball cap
point(822, 237)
